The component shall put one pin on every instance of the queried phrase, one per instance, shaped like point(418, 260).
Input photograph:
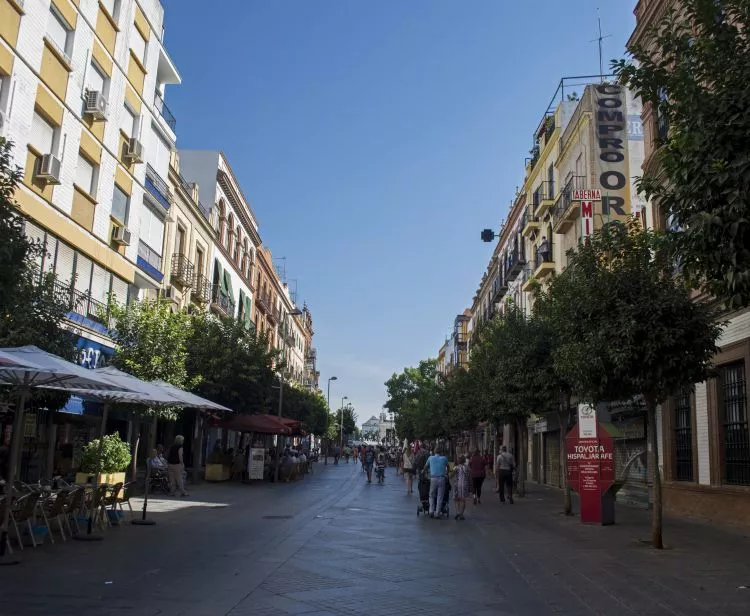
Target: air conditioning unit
point(49, 169)
point(95, 105)
point(134, 150)
point(121, 236)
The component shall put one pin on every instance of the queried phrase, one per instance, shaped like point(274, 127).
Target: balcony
point(530, 225)
point(164, 111)
point(201, 290)
point(513, 265)
point(182, 270)
point(564, 213)
point(149, 261)
point(221, 303)
point(528, 282)
point(499, 287)
point(543, 266)
point(543, 198)
point(158, 188)
point(264, 301)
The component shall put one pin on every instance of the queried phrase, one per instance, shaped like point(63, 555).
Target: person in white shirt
point(505, 465)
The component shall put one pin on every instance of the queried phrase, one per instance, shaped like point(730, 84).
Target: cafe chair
point(55, 510)
point(75, 509)
point(109, 503)
point(3, 504)
point(23, 513)
point(124, 497)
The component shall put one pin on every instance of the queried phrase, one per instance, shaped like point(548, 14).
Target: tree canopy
point(693, 68)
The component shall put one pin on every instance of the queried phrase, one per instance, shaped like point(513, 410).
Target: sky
point(375, 140)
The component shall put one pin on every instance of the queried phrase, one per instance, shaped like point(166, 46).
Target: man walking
point(438, 465)
point(505, 466)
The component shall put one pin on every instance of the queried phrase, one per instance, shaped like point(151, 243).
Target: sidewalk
point(701, 566)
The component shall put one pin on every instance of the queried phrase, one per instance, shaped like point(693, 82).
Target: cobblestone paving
point(332, 545)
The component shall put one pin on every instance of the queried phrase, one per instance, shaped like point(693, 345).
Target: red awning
point(265, 424)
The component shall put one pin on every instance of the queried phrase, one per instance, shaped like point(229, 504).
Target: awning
point(265, 424)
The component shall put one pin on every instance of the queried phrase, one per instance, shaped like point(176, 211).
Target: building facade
point(705, 442)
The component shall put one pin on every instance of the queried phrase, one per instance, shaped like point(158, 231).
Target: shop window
point(735, 433)
point(683, 438)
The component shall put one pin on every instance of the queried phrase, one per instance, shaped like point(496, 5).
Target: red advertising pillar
point(591, 468)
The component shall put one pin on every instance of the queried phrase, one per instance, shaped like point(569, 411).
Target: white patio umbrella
point(189, 399)
point(28, 367)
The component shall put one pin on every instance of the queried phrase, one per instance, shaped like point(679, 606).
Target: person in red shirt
point(477, 469)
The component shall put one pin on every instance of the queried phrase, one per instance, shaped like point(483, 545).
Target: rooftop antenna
point(599, 40)
point(282, 269)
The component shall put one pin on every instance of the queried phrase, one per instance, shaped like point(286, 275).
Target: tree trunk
point(522, 447)
point(656, 512)
point(564, 417)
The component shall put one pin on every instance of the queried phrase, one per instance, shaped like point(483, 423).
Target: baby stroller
point(423, 486)
point(158, 480)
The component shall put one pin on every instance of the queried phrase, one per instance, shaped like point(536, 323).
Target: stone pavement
point(333, 545)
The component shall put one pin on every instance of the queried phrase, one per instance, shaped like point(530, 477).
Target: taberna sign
point(612, 147)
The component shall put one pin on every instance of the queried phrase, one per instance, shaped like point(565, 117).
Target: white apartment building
point(82, 87)
point(234, 253)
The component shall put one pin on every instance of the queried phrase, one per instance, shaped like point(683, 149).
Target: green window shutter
point(218, 273)
point(228, 286)
point(248, 312)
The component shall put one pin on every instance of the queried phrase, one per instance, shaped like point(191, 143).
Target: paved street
point(333, 545)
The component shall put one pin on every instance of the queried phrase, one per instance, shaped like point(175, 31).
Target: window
point(59, 32)
point(97, 80)
point(736, 437)
point(160, 153)
point(128, 121)
point(86, 175)
point(152, 229)
point(683, 438)
point(120, 205)
point(179, 244)
point(138, 45)
point(42, 134)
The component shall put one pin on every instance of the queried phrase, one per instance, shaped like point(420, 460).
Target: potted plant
point(104, 460)
point(218, 466)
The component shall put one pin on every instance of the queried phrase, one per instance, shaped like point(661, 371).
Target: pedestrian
point(477, 468)
point(505, 466)
point(336, 454)
point(407, 462)
point(463, 477)
point(438, 465)
point(355, 453)
point(175, 466)
point(368, 459)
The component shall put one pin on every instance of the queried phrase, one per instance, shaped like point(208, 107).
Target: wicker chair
point(24, 510)
point(55, 509)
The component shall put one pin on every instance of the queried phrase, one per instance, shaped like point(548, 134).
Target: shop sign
point(591, 470)
point(256, 463)
point(29, 425)
point(587, 194)
point(540, 426)
point(587, 423)
point(612, 143)
point(587, 218)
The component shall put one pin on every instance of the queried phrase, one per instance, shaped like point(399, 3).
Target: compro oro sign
point(612, 168)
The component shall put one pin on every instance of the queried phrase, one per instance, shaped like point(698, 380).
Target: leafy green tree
point(694, 69)
point(32, 308)
point(514, 375)
point(232, 365)
point(413, 397)
point(637, 330)
point(350, 420)
point(302, 405)
point(151, 343)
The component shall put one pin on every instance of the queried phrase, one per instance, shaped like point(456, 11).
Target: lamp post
point(294, 312)
point(341, 423)
point(333, 378)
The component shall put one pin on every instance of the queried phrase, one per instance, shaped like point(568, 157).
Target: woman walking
point(477, 468)
point(408, 465)
point(463, 476)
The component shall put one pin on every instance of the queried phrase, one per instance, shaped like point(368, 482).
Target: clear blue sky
point(375, 139)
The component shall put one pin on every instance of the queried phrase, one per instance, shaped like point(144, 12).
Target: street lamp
point(333, 378)
point(341, 423)
point(293, 313)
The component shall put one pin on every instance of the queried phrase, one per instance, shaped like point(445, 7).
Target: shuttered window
point(83, 274)
point(100, 284)
point(152, 229)
point(160, 153)
point(127, 121)
point(96, 80)
point(120, 205)
point(110, 5)
point(85, 175)
point(36, 235)
point(119, 290)
point(138, 45)
point(42, 134)
point(64, 263)
point(58, 31)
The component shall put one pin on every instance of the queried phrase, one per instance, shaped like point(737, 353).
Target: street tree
point(515, 376)
point(33, 308)
point(637, 331)
point(350, 419)
point(412, 398)
point(694, 69)
point(308, 407)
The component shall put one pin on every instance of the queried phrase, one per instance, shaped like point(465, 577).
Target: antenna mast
point(599, 40)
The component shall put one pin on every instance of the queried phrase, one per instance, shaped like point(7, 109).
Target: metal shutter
point(83, 274)
point(119, 290)
point(64, 263)
point(100, 284)
point(36, 235)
